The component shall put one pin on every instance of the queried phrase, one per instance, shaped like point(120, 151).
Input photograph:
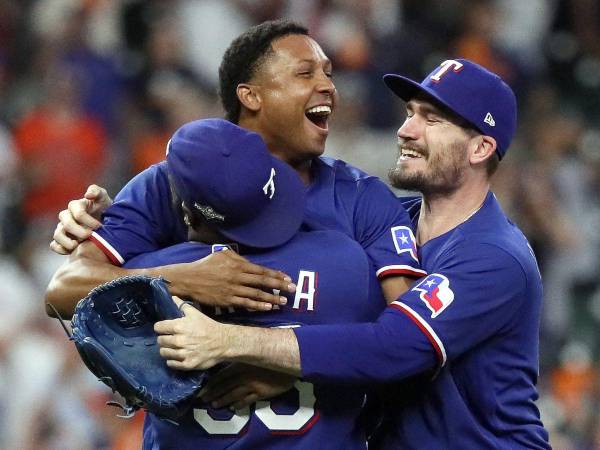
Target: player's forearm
point(84, 270)
point(391, 349)
point(393, 287)
point(275, 349)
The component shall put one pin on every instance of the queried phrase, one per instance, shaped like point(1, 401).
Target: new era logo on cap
point(470, 91)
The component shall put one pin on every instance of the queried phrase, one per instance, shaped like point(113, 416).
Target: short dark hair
point(245, 56)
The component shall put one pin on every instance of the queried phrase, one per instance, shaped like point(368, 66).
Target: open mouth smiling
point(407, 153)
point(319, 115)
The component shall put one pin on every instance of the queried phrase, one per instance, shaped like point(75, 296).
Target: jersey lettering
point(298, 422)
point(289, 422)
point(306, 289)
point(233, 425)
point(445, 67)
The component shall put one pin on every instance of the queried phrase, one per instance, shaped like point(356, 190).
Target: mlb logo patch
point(404, 241)
point(220, 247)
point(435, 292)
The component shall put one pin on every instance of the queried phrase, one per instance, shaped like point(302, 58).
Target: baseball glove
point(113, 332)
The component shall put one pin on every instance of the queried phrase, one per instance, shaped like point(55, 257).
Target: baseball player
point(276, 81)
point(336, 284)
point(464, 339)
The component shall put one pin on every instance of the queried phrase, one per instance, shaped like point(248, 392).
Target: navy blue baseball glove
point(113, 332)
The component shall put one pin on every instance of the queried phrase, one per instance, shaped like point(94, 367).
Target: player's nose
point(410, 129)
point(325, 84)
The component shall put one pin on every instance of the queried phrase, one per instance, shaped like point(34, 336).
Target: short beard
point(444, 177)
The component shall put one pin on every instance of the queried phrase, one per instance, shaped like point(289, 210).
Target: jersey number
point(263, 411)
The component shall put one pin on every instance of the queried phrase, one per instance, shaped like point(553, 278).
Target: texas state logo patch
point(404, 241)
point(435, 292)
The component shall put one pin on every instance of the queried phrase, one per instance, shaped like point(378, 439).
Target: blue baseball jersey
point(336, 284)
point(464, 340)
point(340, 198)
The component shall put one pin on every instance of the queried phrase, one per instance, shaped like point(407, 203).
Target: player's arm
point(86, 268)
point(440, 318)
point(382, 226)
point(394, 286)
point(198, 342)
point(141, 220)
point(220, 279)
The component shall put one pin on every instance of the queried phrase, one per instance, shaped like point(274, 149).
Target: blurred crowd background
point(91, 90)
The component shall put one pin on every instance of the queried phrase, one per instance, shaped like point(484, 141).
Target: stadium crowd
point(91, 90)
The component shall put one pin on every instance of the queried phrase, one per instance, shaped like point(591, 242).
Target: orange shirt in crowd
point(62, 154)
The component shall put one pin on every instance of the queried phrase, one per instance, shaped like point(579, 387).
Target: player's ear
point(482, 148)
point(249, 96)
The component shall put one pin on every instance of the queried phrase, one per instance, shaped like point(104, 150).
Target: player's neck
point(442, 213)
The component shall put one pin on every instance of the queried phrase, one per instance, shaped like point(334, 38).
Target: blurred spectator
point(11, 219)
point(209, 27)
point(62, 149)
point(476, 39)
point(521, 29)
point(65, 24)
point(169, 94)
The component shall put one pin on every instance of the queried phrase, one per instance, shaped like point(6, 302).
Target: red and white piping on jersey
point(425, 328)
point(410, 271)
point(107, 249)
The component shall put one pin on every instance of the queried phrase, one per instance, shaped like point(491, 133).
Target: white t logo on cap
point(269, 186)
point(445, 67)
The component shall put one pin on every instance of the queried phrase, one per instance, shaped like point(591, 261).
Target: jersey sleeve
point(474, 293)
point(383, 228)
point(141, 219)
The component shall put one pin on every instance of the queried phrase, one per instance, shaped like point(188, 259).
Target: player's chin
point(313, 151)
point(315, 144)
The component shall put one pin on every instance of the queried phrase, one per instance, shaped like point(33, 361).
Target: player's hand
point(240, 385)
point(81, 217)
point(227, 279)
point(192, 342)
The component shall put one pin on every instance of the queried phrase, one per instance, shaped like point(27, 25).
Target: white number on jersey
point(263, 411)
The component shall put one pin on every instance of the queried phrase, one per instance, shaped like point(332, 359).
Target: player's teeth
point(319, 109)
point(406, 152)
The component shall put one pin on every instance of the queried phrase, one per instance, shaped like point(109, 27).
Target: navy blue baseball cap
point(226, 175)
point(474, 93)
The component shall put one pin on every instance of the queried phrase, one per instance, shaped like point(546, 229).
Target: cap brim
point(403, 87)
point(280, 219)
point(406, 89)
